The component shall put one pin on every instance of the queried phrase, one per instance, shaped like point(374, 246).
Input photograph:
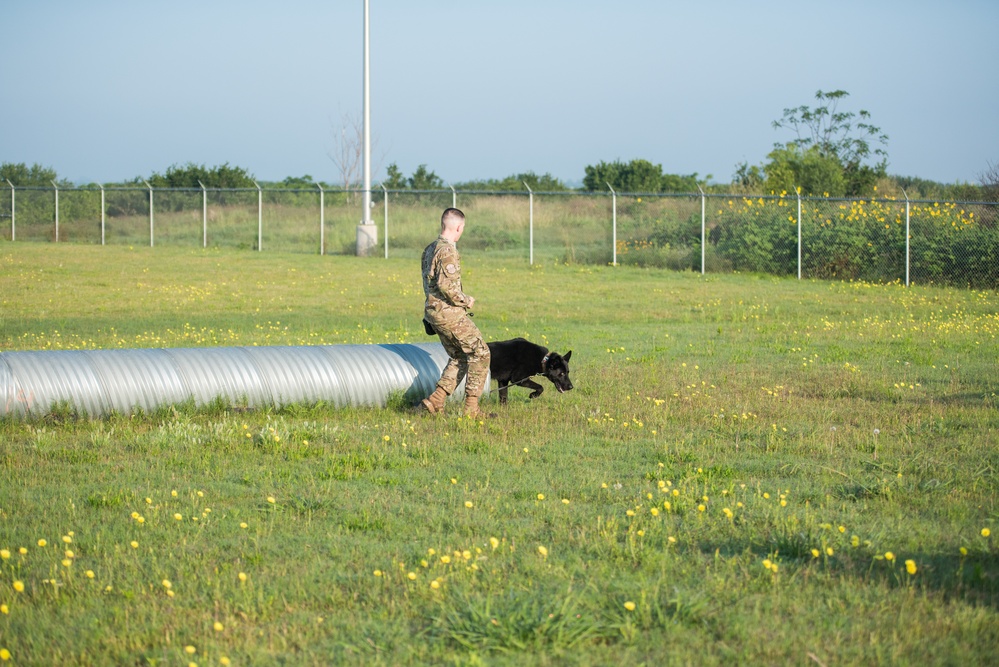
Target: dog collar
point(544, 362)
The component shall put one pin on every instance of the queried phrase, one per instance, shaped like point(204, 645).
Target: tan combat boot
point(472, 409)
point(435, 402)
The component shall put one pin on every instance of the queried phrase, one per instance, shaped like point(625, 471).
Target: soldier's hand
point(471, 302)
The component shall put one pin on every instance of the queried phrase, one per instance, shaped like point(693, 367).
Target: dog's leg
point(538, 389)
point(502, 390)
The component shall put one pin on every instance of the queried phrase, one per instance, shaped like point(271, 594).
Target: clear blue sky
point(109, 90)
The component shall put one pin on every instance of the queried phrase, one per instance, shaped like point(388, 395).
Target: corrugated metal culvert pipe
point(97, 383)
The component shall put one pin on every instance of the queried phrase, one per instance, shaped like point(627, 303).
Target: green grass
point(822, 415)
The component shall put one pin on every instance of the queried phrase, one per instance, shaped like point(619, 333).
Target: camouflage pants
point(468, 354)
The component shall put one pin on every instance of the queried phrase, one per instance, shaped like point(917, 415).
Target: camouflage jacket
point(442, 280)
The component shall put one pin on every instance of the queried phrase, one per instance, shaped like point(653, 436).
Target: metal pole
point(702, 228)
point(260, 217)
point(906, 237)
point(385, 190)
point(454, 197)
point(797, 191)
point(322, 220)
point(56, 186)
point(204, 214)
point(366, 216)
point(102, 211)
point(613, 225)
point(150, 212)
point(530, 226)
point(13, 209)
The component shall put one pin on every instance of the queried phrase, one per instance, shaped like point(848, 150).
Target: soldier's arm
point(448, 279)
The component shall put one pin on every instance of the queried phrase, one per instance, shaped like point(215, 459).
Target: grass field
point(750, 470)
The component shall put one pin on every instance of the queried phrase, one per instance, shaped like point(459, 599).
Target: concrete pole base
point(367, 239)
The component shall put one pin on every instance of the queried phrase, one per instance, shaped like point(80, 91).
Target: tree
point(194, 175)
point(833, 131)
point(680, 183)
point(298, 182)
point(543, 183)
point(636, 176)
point(790, 167)
point(421, 179)
point(395, 180)
point(22, 175)
point(990, 182)
point(748, 177)
point(827, 134)
point(348, 150)
point(515, 183)
point(424, 179)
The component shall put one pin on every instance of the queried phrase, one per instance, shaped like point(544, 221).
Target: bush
point(757, 236)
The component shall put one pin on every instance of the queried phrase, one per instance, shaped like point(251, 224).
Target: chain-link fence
point(880, 240)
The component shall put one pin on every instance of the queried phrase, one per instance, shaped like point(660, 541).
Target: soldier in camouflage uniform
point(446, 310)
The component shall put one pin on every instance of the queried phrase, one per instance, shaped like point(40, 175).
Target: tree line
point(834, 153)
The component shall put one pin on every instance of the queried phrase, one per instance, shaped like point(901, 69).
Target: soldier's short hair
point(453, 216)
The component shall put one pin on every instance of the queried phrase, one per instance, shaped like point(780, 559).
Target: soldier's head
point(452, 224)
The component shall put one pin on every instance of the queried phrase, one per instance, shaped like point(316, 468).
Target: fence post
point(322, 220)
point(260, 217)
point(613, 225)
point(454, 197)
point(906, 237)
point(530, 222)
point(102, 211)
point(797, 192)
point(702, 228)
point(204, 214)
point(385, 191)
point(13, 209)
point(56, 186)
point(150, 212)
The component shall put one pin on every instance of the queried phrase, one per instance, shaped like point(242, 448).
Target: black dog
point(514, 362)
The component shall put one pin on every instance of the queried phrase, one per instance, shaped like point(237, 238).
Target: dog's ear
point(567, 355)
